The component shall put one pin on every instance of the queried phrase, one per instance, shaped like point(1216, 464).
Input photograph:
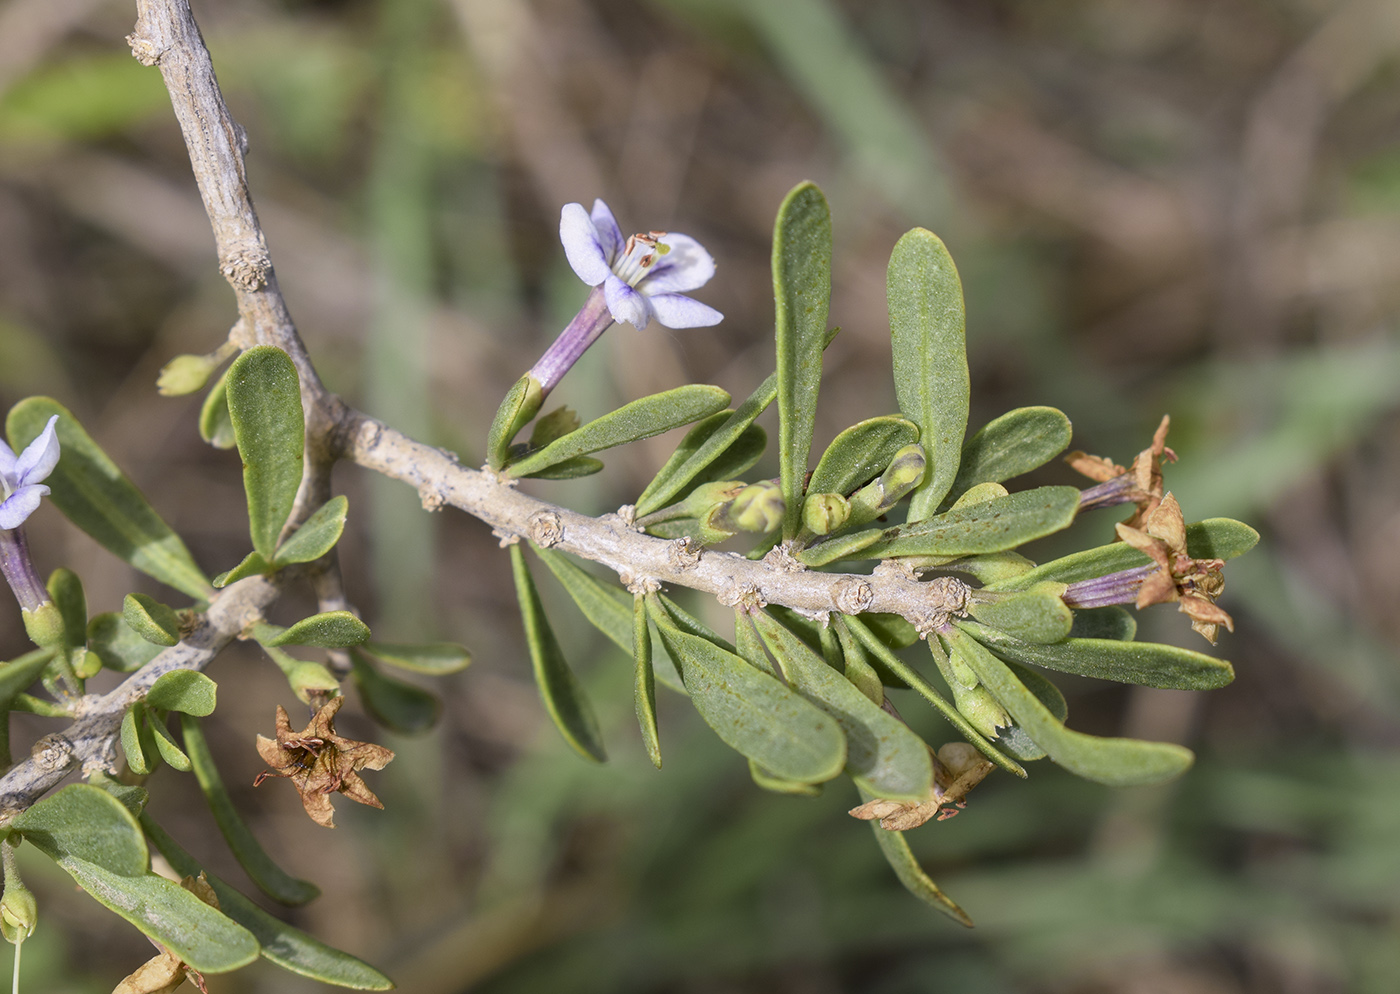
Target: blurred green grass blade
point(644, 680)
point(95, 495)
point(560, 690)
point(642, 418)
point(270, 878)
point(81, 98)
point(1214, 538)
point(861, 453)
point(609, 609)
point(823, 56)
point(752, 712)
point(801, 295)
point(882, 754)
point(288, 947)
point(928, 337)
point(1015, 443)
point(926, 690)
point(317, 534)
point(264, 405)
point(1113, 761)
point(897, 853)
point(398, 706)
point(1148, 664)
point(989, 526)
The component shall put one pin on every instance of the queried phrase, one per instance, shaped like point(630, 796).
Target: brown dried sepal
point(321, 763)
point(1146, 471)
point(957, 768)
point(1195, 583)
point(165, 972)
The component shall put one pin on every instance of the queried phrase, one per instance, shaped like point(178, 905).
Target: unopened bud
point(186, 374)
point(758, 507)
point(980, 708)
point(19, 913)
point(905, 472)
point(86, 665)
point(823, 514)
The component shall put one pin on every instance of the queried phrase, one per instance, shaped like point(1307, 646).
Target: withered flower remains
point(1141, 484)
point(1196, 583)
point(320, 763)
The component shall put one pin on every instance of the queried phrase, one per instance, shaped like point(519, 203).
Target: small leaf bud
point(905, 472)
point(980, 708)
point(185, 374)
point(823, 514)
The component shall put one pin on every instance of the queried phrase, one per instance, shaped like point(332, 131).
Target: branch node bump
point(684, 554)
point(546, 529)
point(781, 559)
point(853, 595)
point(247, 268)
point(144, 50)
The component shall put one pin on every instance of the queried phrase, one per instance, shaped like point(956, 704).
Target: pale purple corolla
point(21, 489)
point(636, 279)
point(21, 476)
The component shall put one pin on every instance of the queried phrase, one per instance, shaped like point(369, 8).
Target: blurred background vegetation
point(1156, 205)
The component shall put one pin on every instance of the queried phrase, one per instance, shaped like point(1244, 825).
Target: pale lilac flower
point(20, 476)
point(643, 277)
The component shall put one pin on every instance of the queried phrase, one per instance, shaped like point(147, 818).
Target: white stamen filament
point(638, 256)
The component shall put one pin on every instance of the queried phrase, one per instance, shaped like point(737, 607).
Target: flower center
point(638, 256)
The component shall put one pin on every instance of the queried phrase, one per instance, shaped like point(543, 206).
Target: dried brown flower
point(1196, 583)
point(958, 768)
point(1141, 484)
point(320, 763)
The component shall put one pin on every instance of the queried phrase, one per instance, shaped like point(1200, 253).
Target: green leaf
point(569, 469)
point(556, 424)
point(153, 621)
point(990, 526)
point(317, 535)
point(166, 745)
point(1104, 623)
point(1035, 615)
point(1116, 762)
point(432, 658)
point(848, 546)
point(1214, 538)
point(608, 609)
point(861, 453)
point(1015, 443)
point(204, 938)
point(66, 591)
point(214, 424)
point(801, 296)
point(927, 328)
point(522, 403)
point(138, 741)
point(95, 495)
point(264, 404)
point(882, 754)
point(398, 706)
point(642, 418)
point(644, 681)
point(1146, 663)
point(563, 697)
point(87, 822)
point(183, 690)
point(778, 785)
point(897, 853)
point(117, 644)
point(1013, 738)
point(17, 675)
point(275, 882)
point(914, 679)
point(288, 947)
point(253, 564)
point(751, 711)
point(329, 630)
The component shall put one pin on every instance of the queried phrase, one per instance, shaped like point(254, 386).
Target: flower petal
point(39, 458)
point(625, 303)
point(609, 234)
point(677, 311)
point(582, 246)
point(20, 505)
point(686, 267)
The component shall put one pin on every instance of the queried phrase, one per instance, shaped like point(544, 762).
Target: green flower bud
point(186, 374)
point(44, 624)
point(980, 708)
point(85, 664)
point(19, 912)
point(904, 473)
point(700, 502)
point(823, 514)
point(758, 507)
